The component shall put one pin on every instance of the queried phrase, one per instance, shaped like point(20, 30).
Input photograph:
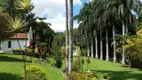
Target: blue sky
point(77, 8)
point(54, 11)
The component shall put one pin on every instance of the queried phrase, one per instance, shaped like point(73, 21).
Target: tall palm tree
point(96, 45)
point(70, 37)
point(85, 27)
point(101, 44)
point(26, 7)
point(15, 26)
point(119, 10)
point(67, 32)
point(99, 11)
point(107, 48)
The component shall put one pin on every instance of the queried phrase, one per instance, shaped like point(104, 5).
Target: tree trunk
point(114, 45)
point(107, 48)
point(67, 40)
point(88, 50)
point(92, 47)
point(123, 50)
point(101, 44)
point(24, 58)
point(129, 59)
point(96, 45)
point(70, 37)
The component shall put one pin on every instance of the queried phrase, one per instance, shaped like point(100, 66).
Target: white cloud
point(54, 10)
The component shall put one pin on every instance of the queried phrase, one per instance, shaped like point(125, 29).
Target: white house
point(11, 43)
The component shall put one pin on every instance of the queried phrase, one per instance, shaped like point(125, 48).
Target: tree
point(57, 51)
point(70, 37)
point(86, 26)
point(67, 35)
point(121, 12)
point(99, 12)
point(26, 7)
point(133, 49)
point(5, 30)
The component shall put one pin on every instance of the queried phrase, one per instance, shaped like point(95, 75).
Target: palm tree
point(101, 44)
point(26, 7)
point(85, 27)
point(70, 37)
point(96, 45)
point(107, 48)
point(15, 25)
point(114, 45)
point(5, 30)
point(66, 58)
point(99, 12)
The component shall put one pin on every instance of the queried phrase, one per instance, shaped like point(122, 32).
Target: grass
point(11, 68)
point(115, 71)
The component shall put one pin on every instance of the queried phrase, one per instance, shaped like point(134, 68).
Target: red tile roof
point(19, 36)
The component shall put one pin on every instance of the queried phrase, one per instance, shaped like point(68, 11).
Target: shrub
point(78, 64)
point(57, 44)
point(30, 52)
point(35, 73)
point(58, 60)
point(52, 61)
point(82, 76)
point(18, 51)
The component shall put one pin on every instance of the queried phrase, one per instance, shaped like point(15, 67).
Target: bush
point(58, 60)
point(52, 61)
point(35, 73)
point(57, 44)
point(78, 64)
point(18, 51)
point(82, 76)
point(30, 52)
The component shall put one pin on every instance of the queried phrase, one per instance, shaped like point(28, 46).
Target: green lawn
point(11, 68)
point(113, 70)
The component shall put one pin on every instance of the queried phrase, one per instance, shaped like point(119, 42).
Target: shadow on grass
point(10, 59)
point(121, 75)
point(8, 76)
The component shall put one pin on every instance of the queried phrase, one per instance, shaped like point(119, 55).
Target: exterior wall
point(14, 45)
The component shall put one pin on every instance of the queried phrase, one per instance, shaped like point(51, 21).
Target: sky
point(54, 11)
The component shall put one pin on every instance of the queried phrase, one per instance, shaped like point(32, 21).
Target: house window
point(9, 44)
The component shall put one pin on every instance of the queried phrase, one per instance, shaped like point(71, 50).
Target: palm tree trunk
point(70, 37)
point(23, 56)
point(123, 50)
point(88, 50)
point(67, 41)
point(96, 45)
point(101, 44)
point(92, 47)
point(114, 45)
point(107, 48)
